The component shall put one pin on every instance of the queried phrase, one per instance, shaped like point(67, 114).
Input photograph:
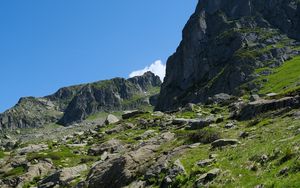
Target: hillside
point(229, 113)
point(74, 104)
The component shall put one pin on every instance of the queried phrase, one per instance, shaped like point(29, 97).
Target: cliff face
point(115, 94)
point(75, 103)
point(223, 43)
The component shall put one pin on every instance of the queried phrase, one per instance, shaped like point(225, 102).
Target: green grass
point(234, 162)
point(284, 78)
point(14, 172)
point(2, 154)
point(62, 156)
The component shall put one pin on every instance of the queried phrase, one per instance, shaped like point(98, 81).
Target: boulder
point(222, 98)
point(205, 162)
point(262, 106)
point(62, 177)
point(121, 170)
point(32, 148)
point(40, 169)
point(193, 124)
point(224, 142)
point(111, 119)
point(111, 146)
point(207, 177)
point(130, 114)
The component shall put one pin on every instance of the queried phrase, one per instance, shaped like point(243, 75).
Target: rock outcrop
point(223, 42)
point(75, 103)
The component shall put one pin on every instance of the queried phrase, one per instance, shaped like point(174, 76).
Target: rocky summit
point(76, 103)
point(224, 43)
point(227, 114)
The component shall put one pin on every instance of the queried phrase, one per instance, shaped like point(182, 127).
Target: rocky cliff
point(224, 43)
point(76, 103)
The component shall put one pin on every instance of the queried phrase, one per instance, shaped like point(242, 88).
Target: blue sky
point(48, 44)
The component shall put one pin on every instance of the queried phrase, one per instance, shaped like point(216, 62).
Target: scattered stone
point(213, 156)
point(63, 177)
point(117, 129)
point(222, 98)
point(284, 171)
point(224, 142)
point(195, 145)
point(207, 177)
point(229, 126)
point(254, 98)
point(137, 184)
point(104, 156)
point(193, 124)
point(146, 135)
point(205, 162)
point(272, 94)
point(130, 114)
point(297, 115)
point(32, 148)
point(111, 119)
point(7, 137)
point(244, 134)
point(111, 146)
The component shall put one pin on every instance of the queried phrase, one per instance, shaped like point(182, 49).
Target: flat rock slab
point(130, 114)
point(32, 148)
point(224, 142)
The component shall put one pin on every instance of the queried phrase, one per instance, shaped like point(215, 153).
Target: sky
point(49, 44)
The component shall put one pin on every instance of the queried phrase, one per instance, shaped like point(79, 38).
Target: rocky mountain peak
point(223, 43)
point(75, 103)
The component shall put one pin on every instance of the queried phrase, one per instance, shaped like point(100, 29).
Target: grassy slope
point(284, 78)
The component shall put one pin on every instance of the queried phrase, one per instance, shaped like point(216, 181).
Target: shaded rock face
point(223, 42)
point(115, 94)
point(75, 103)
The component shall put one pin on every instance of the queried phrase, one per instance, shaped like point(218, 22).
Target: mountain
point(225, 45)
point(230, 111)
point(76, 103)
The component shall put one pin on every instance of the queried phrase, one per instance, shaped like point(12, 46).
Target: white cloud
point(158, 68)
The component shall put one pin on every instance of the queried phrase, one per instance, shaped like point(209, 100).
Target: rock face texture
point(75, 103)
point(223, 43)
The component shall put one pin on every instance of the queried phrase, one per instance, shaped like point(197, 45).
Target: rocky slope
point(238, 58)
point(75, 103)
point(224, 43)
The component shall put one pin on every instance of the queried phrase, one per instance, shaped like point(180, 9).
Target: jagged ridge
point(76, 103)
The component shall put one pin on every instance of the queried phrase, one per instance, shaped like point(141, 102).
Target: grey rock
point(130, 114)
point(63, 177)
point(111, 119)
point(32, 148)
point(258, 107)
point(222, 98)
point(210, 58)
point(229, 125)
point(193, 124)
point(205, 162)
point(207, 177)
point(111, 146)
point(254, 98)
point(224, 142)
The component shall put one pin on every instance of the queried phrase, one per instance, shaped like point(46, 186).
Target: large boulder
point(32, 148)
point(111, 146)
point(261, 106)
point(62, 177)
point(121, 171)
point(111, 119)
